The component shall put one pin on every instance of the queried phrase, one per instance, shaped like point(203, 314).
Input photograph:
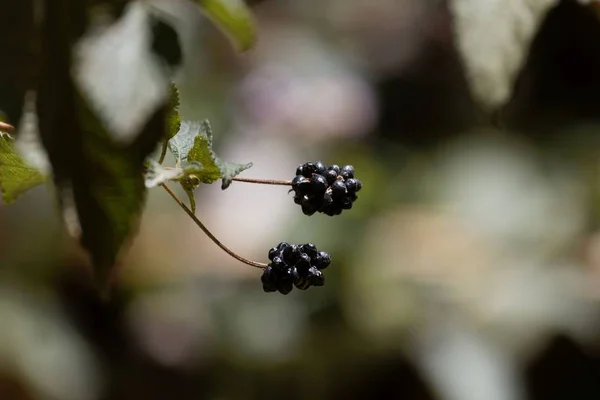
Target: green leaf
point(206, 165)
point(181, 144)
point(173, 119)
point(230, 170)
point(109, 195)
point(192, 147)
point(16, 177)
point(203, 161)
point(234, 19)
point(100, 177)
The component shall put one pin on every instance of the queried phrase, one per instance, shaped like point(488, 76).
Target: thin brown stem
point(263, 181)
point(209, 233)
point(260, 181)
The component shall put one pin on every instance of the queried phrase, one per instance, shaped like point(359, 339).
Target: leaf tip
point(234, 19)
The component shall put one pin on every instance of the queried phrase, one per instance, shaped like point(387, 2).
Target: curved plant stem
point(208, 233)
point(263, 181)
point(163, 151)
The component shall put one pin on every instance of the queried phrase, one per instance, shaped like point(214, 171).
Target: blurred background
point(468, 270)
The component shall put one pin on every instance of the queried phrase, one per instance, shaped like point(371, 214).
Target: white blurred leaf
point(462, 365)
point(120, 76)
point(493, 38)
point(498, 186)
point(69, 212)
point(40, 346)
point(28, 142)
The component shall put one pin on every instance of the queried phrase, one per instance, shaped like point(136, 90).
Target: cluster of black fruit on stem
point(318, 188)
point(294, 265)
point(328, 190)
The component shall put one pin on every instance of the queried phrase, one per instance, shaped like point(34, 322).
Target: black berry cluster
point(294, 265)
point(328, 190)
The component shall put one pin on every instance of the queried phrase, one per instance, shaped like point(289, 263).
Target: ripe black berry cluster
point(328, 190)
point(294, 265)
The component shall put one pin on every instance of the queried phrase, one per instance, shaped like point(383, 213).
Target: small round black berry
point(286, 280)
point(335, 168)
point(358, 185)
point(302, 283)
point(307, 207)
point(269, 280)
point(320, 201)
point(267, 275)
point(320, 168)
point(338, 189)
point(316, 277)
point(286, 287)
point(346, 204)
point(330, 176)
point(351, 185)
point(287, 252)
point(348, 170)
point(291, 254)
point(296, 182)
point(274, 252)
point(278, 263)
point(282, 246)
point(329, 211)
point(308, 169)
point(303, 264)
point(322, 260)
point(301, 186)
point(292, 274)
point(310, 250)
point(318, 184)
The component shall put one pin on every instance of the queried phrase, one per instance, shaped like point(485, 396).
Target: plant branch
point(263, 181)
point(255, 180)
point(209, 233)
point(163, 151)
